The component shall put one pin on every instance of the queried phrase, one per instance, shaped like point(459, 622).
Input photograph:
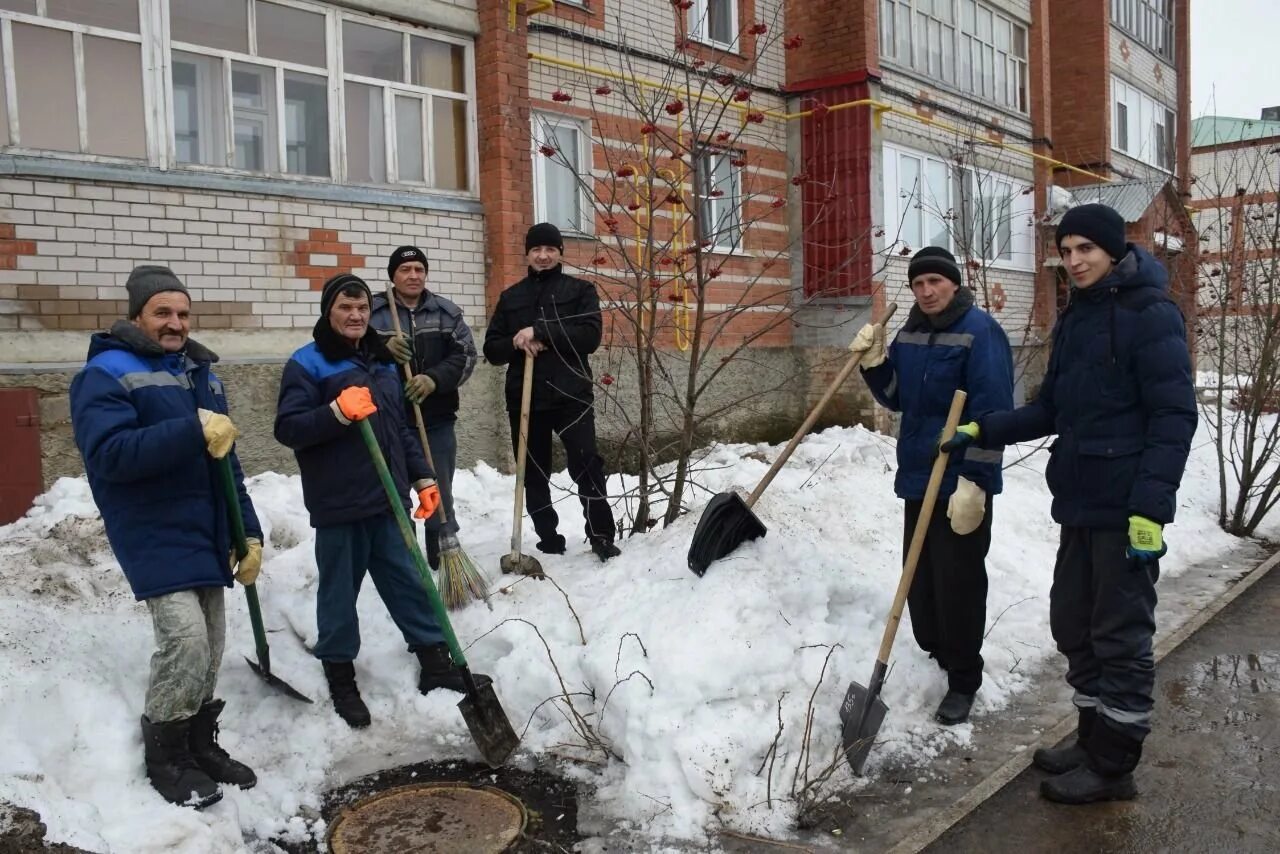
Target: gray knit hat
point(146, 281)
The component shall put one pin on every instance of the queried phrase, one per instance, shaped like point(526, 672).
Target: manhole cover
point(450, 818)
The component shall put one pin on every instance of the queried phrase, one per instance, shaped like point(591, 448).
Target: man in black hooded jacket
point(554, 319)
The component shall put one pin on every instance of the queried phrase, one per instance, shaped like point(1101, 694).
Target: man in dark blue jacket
point(1119, 394)
point(150, 419)
point(438, 345)
point(946, 344)
point(345, 375)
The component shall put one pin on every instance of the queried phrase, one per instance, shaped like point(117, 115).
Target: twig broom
point(460, 579)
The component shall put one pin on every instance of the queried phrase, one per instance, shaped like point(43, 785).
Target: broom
point(460, 578)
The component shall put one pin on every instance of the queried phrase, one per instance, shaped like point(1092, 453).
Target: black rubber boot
point(346, 696)
point(433, 550)
point(211, 758)
point(954, 708)
point(1060, 760)
point(438, 671)
point(172, 769)
point(1083, 785)
point(552, 545)
point(605, 549)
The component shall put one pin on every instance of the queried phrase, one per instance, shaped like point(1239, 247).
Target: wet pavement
point(1210, 774)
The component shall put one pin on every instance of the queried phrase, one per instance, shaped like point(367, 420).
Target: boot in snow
point(172, 769)
point(1060, 760)
point(1083, 785)
point(438, 671)
point(954, 708)
point(605, 549)
point(552, 545)
point(346, 696)
point(211, 758)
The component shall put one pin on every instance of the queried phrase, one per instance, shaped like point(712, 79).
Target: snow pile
point(681, 680)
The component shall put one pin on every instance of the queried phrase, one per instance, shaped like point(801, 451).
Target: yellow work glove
point(219, 433)
point(419, 388)
point(1146, 540)
point(401, 348)
point(428, 499)
point(967, 506)
point(870, 343)
point(966, 435)
point(250, 565)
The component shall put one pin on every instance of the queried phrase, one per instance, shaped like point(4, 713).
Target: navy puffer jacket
point(1119, 395)
point(133, 410)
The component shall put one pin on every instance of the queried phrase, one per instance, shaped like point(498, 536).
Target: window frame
point(1149, 22)
point(699, 24)
point(1146, 146)
point(702, 195)
point(540, 121)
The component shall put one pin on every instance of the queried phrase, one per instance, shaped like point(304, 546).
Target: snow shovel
point(480, 708)
point(862, 711)
point(515, 562)
point(727, 521)
point(262, 666)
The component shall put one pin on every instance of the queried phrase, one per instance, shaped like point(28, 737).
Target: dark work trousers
point(577, 430)
point(948, 596)
point(344, 553)
point(1102, 610)
point(444, 455)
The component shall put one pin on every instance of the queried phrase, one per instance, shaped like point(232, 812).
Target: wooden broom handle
point(922, 527)
point(813, 415)
point(526, 395)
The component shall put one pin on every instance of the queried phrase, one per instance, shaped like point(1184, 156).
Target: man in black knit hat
point(947, 343)
point(1119, 395)
point(554, 318)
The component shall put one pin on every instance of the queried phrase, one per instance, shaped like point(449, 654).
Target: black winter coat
point(1119, 395)
point(443, 348)
point(565, 315)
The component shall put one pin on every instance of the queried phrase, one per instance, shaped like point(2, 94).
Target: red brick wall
point(1040, 83)
point(840, 37)
point(1080, 86)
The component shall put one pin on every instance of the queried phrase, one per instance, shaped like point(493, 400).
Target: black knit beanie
point(935, 259)
point(543, 234)
point(146, 281)
point(1097, 223)
point(336, 285)
point(404, 255)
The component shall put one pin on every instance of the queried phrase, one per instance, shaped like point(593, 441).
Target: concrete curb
point(928, 832)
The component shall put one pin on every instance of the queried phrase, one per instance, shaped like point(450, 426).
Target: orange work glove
point(354, 404)
point(428, 500)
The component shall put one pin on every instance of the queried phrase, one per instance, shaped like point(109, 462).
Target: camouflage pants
point(190, 633)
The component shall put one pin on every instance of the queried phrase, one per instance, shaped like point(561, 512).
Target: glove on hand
point(355, 403)
point(870, 343)
point(401, 348)
point(418, 388)
point(1146, 540)
point(428, 500)
point(966, 507)
point(966, 435)
point(250, 564)
point(219, 433)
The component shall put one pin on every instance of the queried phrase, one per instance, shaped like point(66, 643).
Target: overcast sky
point(1234, 66)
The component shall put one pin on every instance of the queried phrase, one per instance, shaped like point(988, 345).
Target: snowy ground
point(719, 652)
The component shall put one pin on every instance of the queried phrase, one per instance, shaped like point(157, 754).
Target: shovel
point(262, 666)
point(727, 521)
point(862, 711)
point(515, 562)
point(480, 708)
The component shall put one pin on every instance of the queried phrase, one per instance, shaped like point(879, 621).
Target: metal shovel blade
point(727, 522)
point(276, 682)
point(488, 724)
point(516, 563)
point(860, 722)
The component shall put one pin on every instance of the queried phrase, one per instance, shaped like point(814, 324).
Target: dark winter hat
point(336, 285)
point(1098, 223)
point(146, 281)
point(543, 234)
point(404, 255)
point(935, 259)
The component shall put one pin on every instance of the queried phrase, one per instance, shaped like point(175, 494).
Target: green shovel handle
point(242, 548)
point(411, 542)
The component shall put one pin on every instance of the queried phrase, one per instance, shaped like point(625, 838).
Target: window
point(1149, 22)
point(715, 22)
point(972, 212)
point(961, 43)
point(1122, 125)
point(719, 191)
point(269, 87)
point(561, 182)
point(1143, 127)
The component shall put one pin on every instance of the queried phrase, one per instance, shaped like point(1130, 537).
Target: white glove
point(870, 343)
point(966, 507)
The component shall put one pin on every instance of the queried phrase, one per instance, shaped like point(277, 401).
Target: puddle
point(1254, 672)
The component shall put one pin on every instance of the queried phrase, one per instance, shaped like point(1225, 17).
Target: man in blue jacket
point(438, 345)
point(947, 343)
point(1119, 395)
point(345, 375)
point(150, 419)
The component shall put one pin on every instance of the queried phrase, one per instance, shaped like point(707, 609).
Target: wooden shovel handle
point(922, 527)
point(526, 394)
point(813, 415)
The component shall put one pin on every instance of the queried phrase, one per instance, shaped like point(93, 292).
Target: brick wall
point(840, 38)
point(1079, 44)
